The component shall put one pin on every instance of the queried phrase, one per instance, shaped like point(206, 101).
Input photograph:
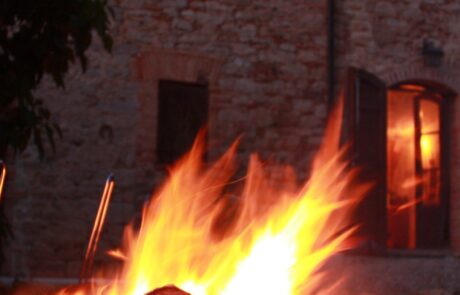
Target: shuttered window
point(182, 111)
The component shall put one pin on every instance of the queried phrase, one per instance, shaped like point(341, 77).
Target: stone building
point(268, 70)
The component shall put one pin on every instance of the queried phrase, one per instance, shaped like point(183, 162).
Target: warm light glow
point(274, 244)
point(413, 167)
point(401, 169)
point(430, 152)
point(426, 146)
point(2, 178)
point(412, 87)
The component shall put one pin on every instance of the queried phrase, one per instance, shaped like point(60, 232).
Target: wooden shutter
point(365, 121)
point(182, 111)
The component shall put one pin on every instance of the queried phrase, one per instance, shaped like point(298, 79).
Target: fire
point(275, 242)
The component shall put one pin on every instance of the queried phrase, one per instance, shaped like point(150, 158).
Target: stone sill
point(404, 253)
point(420, 253)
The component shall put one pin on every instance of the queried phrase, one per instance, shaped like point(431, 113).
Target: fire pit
point(275, 243)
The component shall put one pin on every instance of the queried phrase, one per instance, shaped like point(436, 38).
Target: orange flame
point(274, 243)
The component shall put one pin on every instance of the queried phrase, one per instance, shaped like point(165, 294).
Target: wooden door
point(365, 121)
point(431, 221)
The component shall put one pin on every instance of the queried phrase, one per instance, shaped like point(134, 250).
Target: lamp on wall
point(432, 53)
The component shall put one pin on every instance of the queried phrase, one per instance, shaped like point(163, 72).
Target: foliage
point(37, 38)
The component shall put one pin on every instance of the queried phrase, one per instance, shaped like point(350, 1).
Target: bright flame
point(272, 239)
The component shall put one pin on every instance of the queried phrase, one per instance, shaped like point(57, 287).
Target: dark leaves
point(30, 120)
point(37, 38)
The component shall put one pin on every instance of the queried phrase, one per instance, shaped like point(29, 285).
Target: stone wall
point(428, 275)
point(386, 37)
point(265, 62)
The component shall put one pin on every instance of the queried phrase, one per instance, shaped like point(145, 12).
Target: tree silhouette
point(37, 38)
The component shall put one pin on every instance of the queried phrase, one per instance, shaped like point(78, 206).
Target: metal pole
point(2, 178)
point(97, 229)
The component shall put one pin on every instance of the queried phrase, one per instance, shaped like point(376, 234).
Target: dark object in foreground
point(42, 38)
point(168, 290)
point(29, 288)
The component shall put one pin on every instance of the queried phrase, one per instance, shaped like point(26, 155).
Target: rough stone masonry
point(265, 63)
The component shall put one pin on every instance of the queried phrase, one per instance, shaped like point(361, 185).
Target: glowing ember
point(274, 245)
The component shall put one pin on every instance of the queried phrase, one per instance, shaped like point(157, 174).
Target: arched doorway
point(417, 166)
point(400, 139)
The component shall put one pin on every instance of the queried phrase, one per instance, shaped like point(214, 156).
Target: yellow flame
point(271, 239)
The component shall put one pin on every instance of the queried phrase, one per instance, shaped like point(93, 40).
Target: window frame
point(444, 97)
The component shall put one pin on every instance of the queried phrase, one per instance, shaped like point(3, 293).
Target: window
point(182, 111)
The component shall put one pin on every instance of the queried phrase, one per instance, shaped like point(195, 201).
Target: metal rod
point(97, 229)
point(2, 178)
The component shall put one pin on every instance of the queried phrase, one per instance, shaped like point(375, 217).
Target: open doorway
point(416, 207)
point(399, 138)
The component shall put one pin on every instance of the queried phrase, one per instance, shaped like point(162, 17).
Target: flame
point(271, 239)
